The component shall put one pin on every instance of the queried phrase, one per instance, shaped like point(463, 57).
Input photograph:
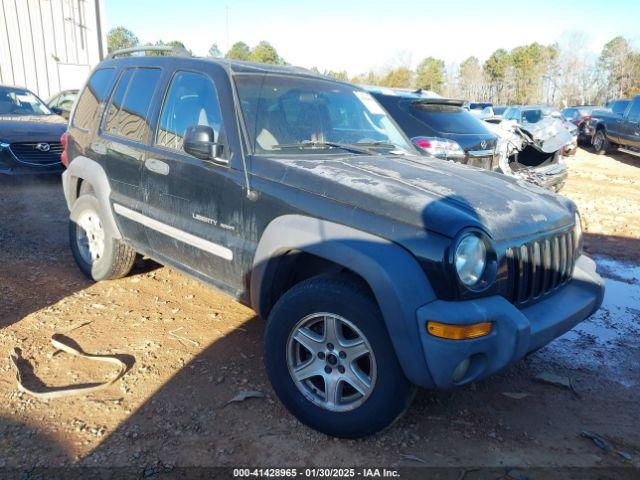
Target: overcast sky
point(360, 35)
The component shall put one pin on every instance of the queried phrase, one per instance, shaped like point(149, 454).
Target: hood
point(31, 128)
point(440, 196)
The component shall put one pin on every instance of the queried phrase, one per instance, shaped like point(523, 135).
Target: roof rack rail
point(177, 51)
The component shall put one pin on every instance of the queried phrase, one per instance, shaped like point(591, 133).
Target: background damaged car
point(533, 144)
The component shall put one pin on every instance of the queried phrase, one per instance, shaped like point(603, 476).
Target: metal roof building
point(50, 45)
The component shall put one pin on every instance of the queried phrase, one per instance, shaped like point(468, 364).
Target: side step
point(629, 151)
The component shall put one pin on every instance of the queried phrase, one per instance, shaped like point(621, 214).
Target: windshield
point(288, 114)
point(21, 102)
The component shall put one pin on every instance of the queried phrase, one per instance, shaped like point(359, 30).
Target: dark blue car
point(29, 134)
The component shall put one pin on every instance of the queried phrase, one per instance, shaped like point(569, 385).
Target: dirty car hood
point(440, 196)
point(26, 128)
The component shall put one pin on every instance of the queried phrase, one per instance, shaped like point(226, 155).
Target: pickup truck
point(621, 131)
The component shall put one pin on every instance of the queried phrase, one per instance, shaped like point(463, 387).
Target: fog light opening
point(461, 370)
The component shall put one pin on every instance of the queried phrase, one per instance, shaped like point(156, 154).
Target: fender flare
point(87, 169)
point(397, 281)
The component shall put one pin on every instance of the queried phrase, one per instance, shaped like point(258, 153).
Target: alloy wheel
point(331, 362)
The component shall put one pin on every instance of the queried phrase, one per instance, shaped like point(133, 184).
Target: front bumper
point(515, 332)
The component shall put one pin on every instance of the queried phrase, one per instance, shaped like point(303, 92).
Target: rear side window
point(92, 96)
point(191, 100)
point(129, 107)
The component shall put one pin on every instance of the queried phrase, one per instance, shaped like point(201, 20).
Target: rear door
point(193, 207)
point(125, 135)
point(630, 134)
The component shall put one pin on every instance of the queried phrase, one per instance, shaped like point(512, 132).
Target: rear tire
point(346, 384)
point(601, 144)
point(98, 255)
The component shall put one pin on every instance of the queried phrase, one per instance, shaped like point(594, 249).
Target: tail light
point(64, 157)
point(439, 147)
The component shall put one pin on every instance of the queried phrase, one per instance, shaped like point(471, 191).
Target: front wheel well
point(294, 266)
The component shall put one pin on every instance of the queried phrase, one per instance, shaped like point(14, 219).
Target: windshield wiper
point(353, 148)
point(377, 144)
point(391, 147)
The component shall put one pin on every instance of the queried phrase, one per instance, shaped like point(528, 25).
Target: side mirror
point(57, 110)
point(199, 141)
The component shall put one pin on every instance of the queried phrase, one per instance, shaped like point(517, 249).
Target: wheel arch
point(84, 169)
point(398, 283)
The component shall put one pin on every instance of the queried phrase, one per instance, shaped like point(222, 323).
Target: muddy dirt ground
point(192, 349)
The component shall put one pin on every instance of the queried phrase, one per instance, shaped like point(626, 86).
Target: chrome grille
point(28, 153)
point(541, 266)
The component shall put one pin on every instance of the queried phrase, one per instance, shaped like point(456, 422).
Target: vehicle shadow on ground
point(620, 248)
point(38, 269)
point(625, 158)
point(193, 417)
point(21, 446)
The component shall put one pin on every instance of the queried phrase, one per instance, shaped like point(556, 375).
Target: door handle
point(157, 166)
point(99, 148)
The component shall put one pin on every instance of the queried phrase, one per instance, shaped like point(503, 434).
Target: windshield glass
point(288, 114)
point(21, 102)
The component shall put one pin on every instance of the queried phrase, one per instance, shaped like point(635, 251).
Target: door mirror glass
point(199, 141)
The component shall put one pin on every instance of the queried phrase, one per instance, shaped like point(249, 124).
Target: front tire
point(330, 359)
point(601, 144)
point(98, 255)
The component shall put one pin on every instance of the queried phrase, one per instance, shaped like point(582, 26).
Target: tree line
point(562, 73)
point(120, 37)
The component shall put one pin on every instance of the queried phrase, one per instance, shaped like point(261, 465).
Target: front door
point(194, 206)
point(631, 134)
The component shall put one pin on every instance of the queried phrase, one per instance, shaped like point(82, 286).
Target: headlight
point(577, 234)
point(470, 259)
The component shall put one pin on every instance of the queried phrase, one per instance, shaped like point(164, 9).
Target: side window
point(510, 114)
point(66, 100)
point(92, 96)
point(191, 100)
point(54, 101)
point(634, 111)
point(129, 106)
point(619, 107)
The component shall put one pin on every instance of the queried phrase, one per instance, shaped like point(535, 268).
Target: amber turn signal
point(459, 332)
